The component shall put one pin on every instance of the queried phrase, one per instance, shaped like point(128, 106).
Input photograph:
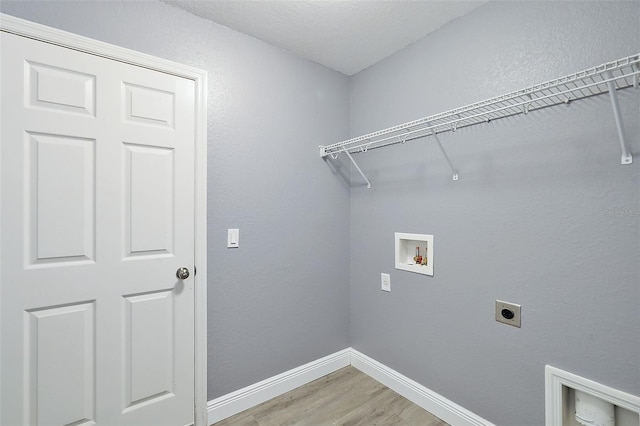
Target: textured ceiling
point(347, 36)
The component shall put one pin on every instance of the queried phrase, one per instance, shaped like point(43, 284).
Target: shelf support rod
point(627, 158)
point(453, 169)
point(357, 168)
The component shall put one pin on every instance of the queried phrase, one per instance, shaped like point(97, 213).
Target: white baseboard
point(434, 403)
point(245, 398)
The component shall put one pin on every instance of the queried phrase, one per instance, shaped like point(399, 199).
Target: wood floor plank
point(306, 400)
point(346, 397)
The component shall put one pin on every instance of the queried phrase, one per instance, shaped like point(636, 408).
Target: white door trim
point(50, 35)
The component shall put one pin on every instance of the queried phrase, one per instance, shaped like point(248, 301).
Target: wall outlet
point(385, 279)
point(508, 313)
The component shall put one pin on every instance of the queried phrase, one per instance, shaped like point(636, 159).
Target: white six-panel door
point(97, 216)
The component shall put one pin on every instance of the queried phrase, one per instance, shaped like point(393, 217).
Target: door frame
point(83, 44)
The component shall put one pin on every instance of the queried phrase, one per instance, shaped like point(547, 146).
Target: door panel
point(60, 89)
point(97, 216)
point(149, 105)
point(61, 205)
point(60, 374)
point(149, 358)
point(150, 191)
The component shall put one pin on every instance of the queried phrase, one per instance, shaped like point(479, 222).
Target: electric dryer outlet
point(508, 313)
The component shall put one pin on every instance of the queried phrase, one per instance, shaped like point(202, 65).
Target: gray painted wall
point(528, 222)
point(282, 299)
point(535, 218)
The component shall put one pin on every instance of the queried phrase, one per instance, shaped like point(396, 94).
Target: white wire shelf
point(606, 78)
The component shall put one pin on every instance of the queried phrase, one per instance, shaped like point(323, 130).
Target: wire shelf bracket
point(453, 169)
point(357, 168)
point(608, 78)
point(627, 158)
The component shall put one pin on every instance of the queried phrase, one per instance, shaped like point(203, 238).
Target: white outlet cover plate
point(385, 280)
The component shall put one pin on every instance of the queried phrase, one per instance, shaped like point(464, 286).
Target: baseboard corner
point(235, 402)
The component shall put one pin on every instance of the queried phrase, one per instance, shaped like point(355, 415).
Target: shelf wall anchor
point(453, 169)
point(357, 168)
point(525, 106)
point(627, 158)
point(454, 126)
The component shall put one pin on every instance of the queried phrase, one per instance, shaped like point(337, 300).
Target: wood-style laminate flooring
point(346, 397)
